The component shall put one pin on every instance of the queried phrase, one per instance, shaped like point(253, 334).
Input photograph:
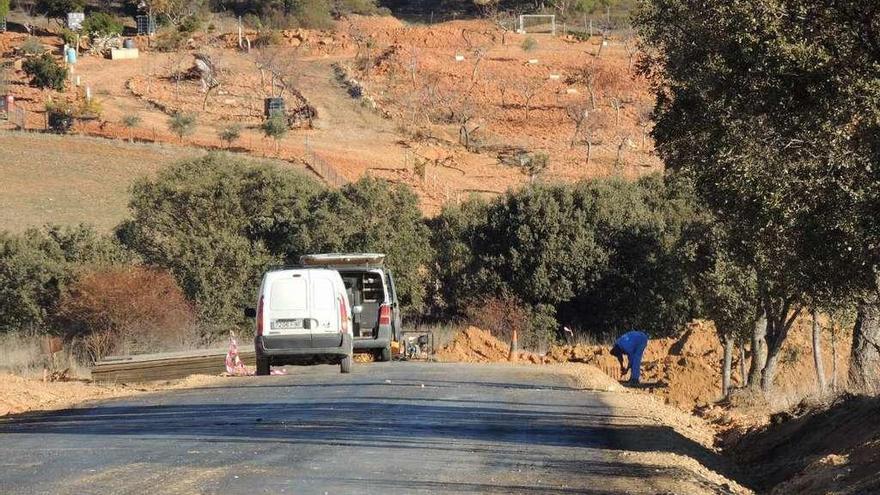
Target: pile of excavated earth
point(684, 370)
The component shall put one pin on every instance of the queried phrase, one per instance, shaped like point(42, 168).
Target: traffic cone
point(514, 347)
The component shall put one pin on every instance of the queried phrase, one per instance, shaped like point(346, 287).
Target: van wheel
point(385, 354)
point(345, 364)
point(262, 366)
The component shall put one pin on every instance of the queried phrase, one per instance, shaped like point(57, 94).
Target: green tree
point(101, 24)
point(182, 124)
point(45, 72)
point(213, 222)
point(369, 215)
point(789, 164)
point(58, 9)
point(604, 256)
point(230, 134)
point(275, 127)
point(131, 121)
point(4, 9)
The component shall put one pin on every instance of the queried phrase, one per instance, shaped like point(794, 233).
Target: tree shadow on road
point(508, 435)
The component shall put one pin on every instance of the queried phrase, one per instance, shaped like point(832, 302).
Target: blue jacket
point(632, 342)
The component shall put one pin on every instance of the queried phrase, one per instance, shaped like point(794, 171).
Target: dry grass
point(20, 354)
point(73, 179)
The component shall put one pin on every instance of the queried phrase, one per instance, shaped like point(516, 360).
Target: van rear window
point(322, 291)
point(288, 294)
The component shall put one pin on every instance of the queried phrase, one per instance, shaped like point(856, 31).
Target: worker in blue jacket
point(633, 344)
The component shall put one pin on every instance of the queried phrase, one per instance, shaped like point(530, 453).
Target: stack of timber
point(165, 366)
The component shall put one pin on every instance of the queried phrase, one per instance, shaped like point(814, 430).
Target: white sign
point(75, 20)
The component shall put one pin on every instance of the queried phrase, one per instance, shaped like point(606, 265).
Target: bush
point(314, 14)
point(369, 215)
point(528, 44)
point(126, 310)
point(213, 222)
point(275, 127)
point(182, 124)
point(501, 315)
point(604, 255)
point(189, 25)
point(101, 24)
point(69, 36)
point(32, 46)
point(168, 40)
point(59, 116)
point(230, 134)
point(37, 266)
point(267, 37)
point(45, 72)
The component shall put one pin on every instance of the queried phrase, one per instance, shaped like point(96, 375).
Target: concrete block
point(123, 53)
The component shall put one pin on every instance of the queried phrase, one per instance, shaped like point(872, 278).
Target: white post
point(88, 93)
point(240, 43)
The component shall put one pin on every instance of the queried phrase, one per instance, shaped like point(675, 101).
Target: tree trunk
point(744, 378)
point(817, 352)
point(589, 150)
point(864, 367)
point(833, 356)
point(728, 360)
point(778, 325)
point(759, 351)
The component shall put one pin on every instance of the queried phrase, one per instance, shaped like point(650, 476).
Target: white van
point(303, 316)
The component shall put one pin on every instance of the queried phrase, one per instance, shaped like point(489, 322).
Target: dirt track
point(386, 428)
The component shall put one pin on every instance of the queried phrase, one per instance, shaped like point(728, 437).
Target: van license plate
point(287, 324)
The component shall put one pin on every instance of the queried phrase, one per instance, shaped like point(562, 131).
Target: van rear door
point(326, 314)
point(288, 308)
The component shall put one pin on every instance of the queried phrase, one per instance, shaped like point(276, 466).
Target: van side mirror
point(356, 310)
point(250, 312)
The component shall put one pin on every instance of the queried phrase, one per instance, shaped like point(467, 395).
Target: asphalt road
point(386, 428)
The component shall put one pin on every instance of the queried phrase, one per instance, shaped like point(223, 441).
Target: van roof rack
point(343, 259)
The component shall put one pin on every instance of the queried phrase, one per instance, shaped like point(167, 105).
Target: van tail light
point(385, 314)
point(260, 317)
point(343, 316)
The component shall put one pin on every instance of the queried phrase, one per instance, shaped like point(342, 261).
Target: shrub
point(130, 121)
point(369, 215)
point(603, 255)
point(32, 46)
point(4, 9)
point(89, 109)
point(230, 134)
point(189, 25)
point(168, 40)
point(182, 124)
point(45, 72)
point(314, 14)
point(69, 36)
point(267, 37)
point(126, 310)
point(101, 24)
point(213, 222)
point(528, 44)
point(275, 127)
point(37, 266)
point(59, 116)
point(501, 315)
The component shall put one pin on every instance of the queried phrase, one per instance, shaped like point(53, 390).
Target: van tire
point(384, 354)
point(262, 366)
point(345, 364)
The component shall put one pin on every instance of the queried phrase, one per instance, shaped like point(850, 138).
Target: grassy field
point(72, 179)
